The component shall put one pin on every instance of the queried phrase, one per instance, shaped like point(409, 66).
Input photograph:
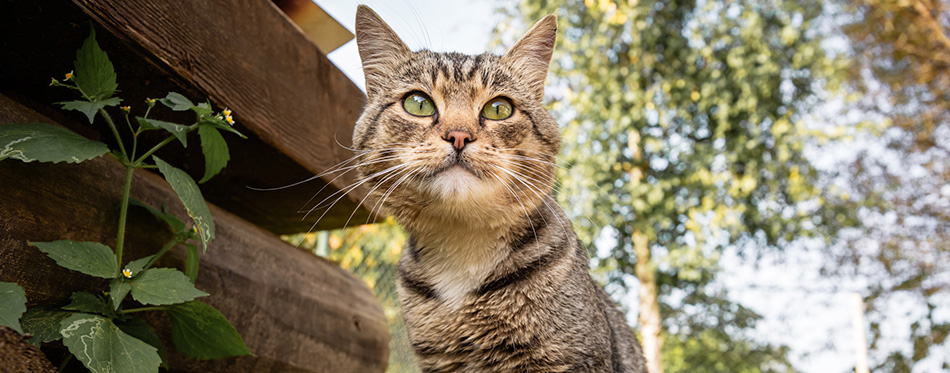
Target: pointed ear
point(380, 48)
point(532, 54)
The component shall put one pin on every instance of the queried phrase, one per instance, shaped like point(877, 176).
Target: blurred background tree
point(901, 73)
point(684, 136)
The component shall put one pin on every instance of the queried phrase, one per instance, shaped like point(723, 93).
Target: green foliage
point(47, 143)
point(98, 329)
point(102, 347)
point(711, 351)
point(91, 258)
point(191, 198)
point(200, 331)
point(162, 286)
point(12, 305)
point(215, 150)
point(683, 122)
point(180, 131)
point(43, 323)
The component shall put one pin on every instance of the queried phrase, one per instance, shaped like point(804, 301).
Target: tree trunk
point(649, 319)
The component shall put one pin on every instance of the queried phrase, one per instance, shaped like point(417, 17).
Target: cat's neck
point(457, 253)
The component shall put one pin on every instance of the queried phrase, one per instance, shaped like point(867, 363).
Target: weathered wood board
point(296, 312)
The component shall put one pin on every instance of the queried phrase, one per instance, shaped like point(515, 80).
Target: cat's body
point(460, 151)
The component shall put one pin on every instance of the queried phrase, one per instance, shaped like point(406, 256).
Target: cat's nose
point(458, 139)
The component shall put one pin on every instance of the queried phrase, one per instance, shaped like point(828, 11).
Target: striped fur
point(492, 278)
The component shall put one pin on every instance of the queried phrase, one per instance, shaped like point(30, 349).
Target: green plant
point(97, 328)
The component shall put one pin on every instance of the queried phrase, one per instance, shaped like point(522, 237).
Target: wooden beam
point(296, 311)
point(320, 27)
point(296, 106)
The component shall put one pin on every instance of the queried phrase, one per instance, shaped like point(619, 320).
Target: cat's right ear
point(380, 48)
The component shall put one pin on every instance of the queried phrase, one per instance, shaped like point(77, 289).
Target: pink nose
point(458, 139)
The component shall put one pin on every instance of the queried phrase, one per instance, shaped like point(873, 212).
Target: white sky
point(815, 326)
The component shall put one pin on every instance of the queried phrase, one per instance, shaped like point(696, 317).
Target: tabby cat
point(459, 149)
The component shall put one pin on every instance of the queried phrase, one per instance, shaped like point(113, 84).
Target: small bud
point(150, 102)
point(126, 109)
point(69, 75)
point(54, 82)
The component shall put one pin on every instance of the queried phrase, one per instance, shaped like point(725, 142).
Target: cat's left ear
point(380, 48)
point(532, 54)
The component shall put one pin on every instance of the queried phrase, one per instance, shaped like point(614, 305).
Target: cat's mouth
point(456, 163)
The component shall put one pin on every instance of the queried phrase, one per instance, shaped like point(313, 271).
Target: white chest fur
point(458, 264)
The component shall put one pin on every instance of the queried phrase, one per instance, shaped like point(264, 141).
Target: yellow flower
point(52, 83)
point(69, 75)
point(229, 119)
point(227, 112)
point(127, 273)
point(126, 109)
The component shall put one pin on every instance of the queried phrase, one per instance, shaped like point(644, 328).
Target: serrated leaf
point(144, 332)
point(195, 205)
point(200, 331)
point(176, 102)
point(12, 305)
point(162, 286)
point(192, 262)
point(90, 108)
point(94, 75)
point(215, 150)
point(46, 143)
point(173, 221)
point(118, 289)
point(102, 347)
point(180, 131)
point(91, 258)
point(43, 323)
point(87, 302)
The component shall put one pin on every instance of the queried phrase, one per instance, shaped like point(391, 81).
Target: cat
point(460, 151)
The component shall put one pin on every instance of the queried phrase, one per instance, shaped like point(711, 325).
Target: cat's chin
point(458, 187)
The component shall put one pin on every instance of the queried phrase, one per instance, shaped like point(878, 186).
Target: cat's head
point(455, 136)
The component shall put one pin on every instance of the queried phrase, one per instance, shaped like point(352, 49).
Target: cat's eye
point(497, 109)
point(418, 104)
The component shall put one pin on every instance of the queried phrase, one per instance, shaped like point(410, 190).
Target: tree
point(683, 136)
point(901, 71)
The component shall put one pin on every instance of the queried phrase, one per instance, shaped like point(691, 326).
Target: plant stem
point(114, 131)
point(123, 213)
point(154, 149)
point(168, 246)
point(142, 309)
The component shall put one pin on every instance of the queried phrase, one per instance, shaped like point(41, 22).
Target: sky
point(800, 308)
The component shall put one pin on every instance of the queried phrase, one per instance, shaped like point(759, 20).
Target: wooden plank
point(295, 105)
point(320, 27)
point(297, 312)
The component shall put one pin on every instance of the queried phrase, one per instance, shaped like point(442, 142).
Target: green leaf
point(192, 262)
point(43, 323)
point(102, 347)
point(46, 143)
point(173, 221)
point(162, 286)
point(94, 75)
point(137, 265)
point(203, 108)
point(89, 303)
point(90, 108)
point(190, 196)
point(12, 305)
point(143, 331)
point(219, 124)
point(215, 150)
point(200, 331)
point(91, 258)
point(118, 289)
point(177, 102)
point(180, 131)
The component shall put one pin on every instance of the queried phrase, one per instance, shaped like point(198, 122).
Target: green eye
point(497, 109)
point(418, 104)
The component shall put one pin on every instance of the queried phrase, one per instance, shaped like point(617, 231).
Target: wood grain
point(297, 312)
